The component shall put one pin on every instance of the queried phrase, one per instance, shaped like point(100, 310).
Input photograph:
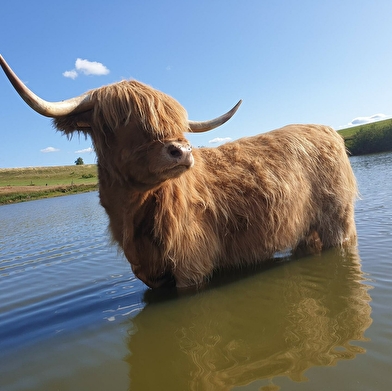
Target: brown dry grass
point(25, 189)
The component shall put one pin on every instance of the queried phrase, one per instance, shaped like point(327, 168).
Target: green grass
point(349, 132)
point(42, 176)
point(375, 134)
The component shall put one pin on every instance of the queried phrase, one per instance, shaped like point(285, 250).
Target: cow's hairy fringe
point(118, 104)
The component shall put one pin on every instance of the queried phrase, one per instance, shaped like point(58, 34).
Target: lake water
point(73, 317)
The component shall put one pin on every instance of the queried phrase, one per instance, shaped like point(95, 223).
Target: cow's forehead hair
point(157, 113)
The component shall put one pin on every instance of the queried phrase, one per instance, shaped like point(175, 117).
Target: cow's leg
point(309, 245)
point(339, 229)
point(191, 278)
point(349, 232)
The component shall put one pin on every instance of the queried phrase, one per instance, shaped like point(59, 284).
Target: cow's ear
point(83, 126)
point(74, 123)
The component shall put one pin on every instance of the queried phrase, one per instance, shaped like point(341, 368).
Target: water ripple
point(68, 275)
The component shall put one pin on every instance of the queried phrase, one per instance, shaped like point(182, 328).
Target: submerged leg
point(309, 245)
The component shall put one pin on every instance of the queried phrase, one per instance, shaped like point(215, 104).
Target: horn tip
point(238, 104)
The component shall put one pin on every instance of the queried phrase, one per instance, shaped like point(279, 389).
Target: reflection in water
point(279, 322)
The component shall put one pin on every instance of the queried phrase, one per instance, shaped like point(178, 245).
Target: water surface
point(72, 315)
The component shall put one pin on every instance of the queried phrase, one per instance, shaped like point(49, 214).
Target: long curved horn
point(83, 103)
point(48, 109)
point(204, 126)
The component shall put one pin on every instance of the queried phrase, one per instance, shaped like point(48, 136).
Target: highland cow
point(178, 213)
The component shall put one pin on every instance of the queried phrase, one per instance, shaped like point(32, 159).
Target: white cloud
point(86, 150)
point(71, 74)
point(219, 140)
point(49, 149)
point(365, 120)
point(86, 67)
point(90, 67)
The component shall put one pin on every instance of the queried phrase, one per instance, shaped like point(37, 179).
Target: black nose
point(175, 151)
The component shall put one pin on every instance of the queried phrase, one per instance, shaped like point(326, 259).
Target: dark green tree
point(79, 161)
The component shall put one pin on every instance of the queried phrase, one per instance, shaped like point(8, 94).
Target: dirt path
point(26, 189)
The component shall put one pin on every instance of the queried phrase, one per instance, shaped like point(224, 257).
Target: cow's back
point(277, 189)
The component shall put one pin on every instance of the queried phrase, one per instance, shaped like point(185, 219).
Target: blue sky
point(290, 61)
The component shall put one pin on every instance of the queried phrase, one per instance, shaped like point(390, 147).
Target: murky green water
point(73, 317)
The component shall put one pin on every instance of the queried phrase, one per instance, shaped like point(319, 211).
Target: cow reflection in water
point(280, 322)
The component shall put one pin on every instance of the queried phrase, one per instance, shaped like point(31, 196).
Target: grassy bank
point(368, 138)
point(23, 184)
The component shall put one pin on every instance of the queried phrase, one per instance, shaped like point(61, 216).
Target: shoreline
point(16, 194)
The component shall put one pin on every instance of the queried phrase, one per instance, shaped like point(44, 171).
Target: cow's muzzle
point(179, 153)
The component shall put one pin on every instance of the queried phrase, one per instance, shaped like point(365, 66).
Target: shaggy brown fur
point(238, 204)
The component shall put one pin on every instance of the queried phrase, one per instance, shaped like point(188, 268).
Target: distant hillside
point(24, 184)
point(368, 138)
